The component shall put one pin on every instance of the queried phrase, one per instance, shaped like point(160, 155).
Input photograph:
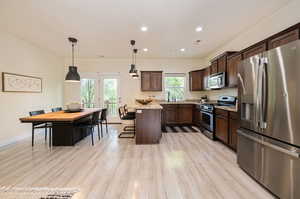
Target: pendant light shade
point(72, 75)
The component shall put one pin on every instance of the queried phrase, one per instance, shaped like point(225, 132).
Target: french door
point(101, 90)
point(110, 95)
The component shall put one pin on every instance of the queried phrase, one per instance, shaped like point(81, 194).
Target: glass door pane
point(110, 96)
point(87, 93)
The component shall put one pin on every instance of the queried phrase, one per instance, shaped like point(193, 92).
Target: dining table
point(63, 124)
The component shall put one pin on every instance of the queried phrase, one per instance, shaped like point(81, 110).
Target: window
point(175, 87)
point(87, 92)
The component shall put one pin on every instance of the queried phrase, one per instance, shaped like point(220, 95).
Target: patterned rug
point(37, 193)
point(181, 129)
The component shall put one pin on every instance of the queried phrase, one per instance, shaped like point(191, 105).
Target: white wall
point(130, 88)
point(285, 17)
point(21, 57)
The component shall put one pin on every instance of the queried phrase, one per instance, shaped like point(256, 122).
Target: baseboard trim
point(13, 140)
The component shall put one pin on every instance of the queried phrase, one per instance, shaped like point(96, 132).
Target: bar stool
point(129, 129)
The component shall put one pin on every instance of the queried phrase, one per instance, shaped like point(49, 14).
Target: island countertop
point(148, 106)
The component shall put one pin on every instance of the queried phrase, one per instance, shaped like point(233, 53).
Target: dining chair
point(94, 121)
point(40, 125)
point(56, 109)
point(102, 119)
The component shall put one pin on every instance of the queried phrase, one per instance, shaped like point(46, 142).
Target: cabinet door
point(156, 81)
point(222, 64)
point(145, 81)
point(196, 82)
point(222, 128)
point(232, 68)
point(283, 39)
point(185, 114)
point(233, 127)
point(170, 114)
point(206, 74)
point(254, 50)
point(214, 67)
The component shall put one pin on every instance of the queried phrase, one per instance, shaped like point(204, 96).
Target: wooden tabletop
point(60, 116)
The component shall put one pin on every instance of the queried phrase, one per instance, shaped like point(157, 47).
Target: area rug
point(37, 193)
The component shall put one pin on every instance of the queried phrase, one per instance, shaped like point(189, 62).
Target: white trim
point(14, 140)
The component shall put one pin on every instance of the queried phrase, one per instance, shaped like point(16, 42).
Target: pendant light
point(133, 71)
point(72, 75)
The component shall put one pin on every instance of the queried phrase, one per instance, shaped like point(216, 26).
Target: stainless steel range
point(207, 115)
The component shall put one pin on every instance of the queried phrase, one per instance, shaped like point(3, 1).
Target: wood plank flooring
point(183, 166)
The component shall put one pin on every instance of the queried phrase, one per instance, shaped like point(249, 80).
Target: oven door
point(207, 120)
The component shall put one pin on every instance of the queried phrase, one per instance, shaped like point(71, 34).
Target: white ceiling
point(104, 27)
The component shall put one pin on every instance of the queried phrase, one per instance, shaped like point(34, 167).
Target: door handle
point(293, 153)
point(263, 123)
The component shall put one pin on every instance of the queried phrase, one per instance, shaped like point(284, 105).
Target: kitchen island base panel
point(148, 126)
point(64, 134)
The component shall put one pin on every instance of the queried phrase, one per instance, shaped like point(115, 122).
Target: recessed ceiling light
point(199, 29)
point(144, 28)
point(145, 49)
point(182, 49)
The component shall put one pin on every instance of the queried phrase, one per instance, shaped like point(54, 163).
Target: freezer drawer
point(274, 164)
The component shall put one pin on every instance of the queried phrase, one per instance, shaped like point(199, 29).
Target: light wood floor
point(184, 165)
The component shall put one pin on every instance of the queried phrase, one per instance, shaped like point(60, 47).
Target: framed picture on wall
point(21, 83)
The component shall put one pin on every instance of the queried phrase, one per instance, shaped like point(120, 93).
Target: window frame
point(176, 75)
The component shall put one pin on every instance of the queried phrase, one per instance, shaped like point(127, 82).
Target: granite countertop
point(180, 102)
point(228, 108)
point(148, 106)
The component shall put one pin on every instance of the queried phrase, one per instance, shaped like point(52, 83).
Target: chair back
point(33, 113)
point(56, 109)
point(95, 118)
point(121, 112)
point(103, 115)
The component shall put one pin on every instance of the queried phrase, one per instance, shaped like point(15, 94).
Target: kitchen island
point(148, 124)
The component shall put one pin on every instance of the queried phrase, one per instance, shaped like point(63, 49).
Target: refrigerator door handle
point(272, 146)
point(259, 95)
point(264, 92)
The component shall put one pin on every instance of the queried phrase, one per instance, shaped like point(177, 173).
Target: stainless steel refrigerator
point(269, 138)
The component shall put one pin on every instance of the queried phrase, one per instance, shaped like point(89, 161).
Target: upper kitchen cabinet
point(196, 80)
point(255, 49)
point(232, 69)
point(151, 80)
point(206, 73)
point(214, 67)
point(284, 37)
point(222, 64)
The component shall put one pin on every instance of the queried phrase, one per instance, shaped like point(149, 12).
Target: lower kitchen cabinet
point(227, 123)
point(177, 114)
point(222, 128)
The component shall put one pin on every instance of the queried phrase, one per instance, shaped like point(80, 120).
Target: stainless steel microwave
point(216, 81)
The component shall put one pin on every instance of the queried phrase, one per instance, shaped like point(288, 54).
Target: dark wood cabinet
point(227, 123)
point(214, 67)
point(185, 114)
point(232, 70)
point(151, 80)
point(283, 38)
point(222, 128)
point(156, 81)
point(148, 126)
point(177, 114)
point(255, 49)
point(206, 74)
point(196, 80)
point(222, 64)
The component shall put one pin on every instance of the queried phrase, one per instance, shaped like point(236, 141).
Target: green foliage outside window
point(87, 92)
point(175, 86)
